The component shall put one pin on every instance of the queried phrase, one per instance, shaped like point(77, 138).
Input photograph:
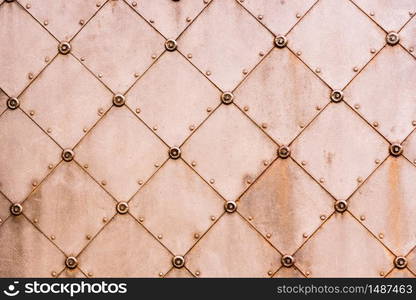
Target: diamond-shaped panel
point(282, 95)
point(219, 45)
point(179, 273)
point(69, 207)
point(175, 104)
point(409, 147)
point(3, 101)
point(4, 208)
point(285, 204)
point(232, 249)
point(408, 36)
point(405, 273)
point(61, 17)
point(25, 252)
point(177, 204)
point(329, 148)
point(120, 152)
point(25, 155)
point(292, 272)
point(390, 14)
point(125, 249)
point(65, 115)
point(229, 151)
point(116, 58)
point(334, 51)
point(169, 17)
point(411, 257)
point(387, 202)
point(279, 16)
point(74, 273)
point(385, 94)
point(334, 252)
point(27, 46)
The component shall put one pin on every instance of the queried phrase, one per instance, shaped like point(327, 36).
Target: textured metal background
point(285, 206)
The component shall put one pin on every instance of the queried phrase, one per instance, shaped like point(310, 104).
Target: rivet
point(28, 6)
point(270, 273)
point(49, 130)
point(209, 109)
point(307, 273)
point(86, 166)
point(261, 53)
point(392, 38)
point(372, 50)
point(189, 55)
point(318, 107)
point(53, 274)
point(154, 56)
point(138, 110)
point(100, 75)
point(372, 13)
point(16, 209)
point(414, 123)
point(305, 235)
point(82, 58)
point(411, 13)
point(250, 218)
point(317, 70)
point(264, 125)
point(301, 125)
point(322, 217)
point(34, 183)
point(90, 274)
point(381, 235)
point(400, 262)
point(160, 236)
point(396, 149)
point(357, 106)
point(46, 22)
point(227, 98)
point(13, 103)
point(141, 219)
point(411, 49)
point(64, 47)
point(298, 53)
point(245, 72)
point(246, 108)
point(53, 237)
point(50, 166)
point(196, 235)
point(375, 124)
point(268, 235)
point(119, 100)
point(414, 161)
point(287, 260)
point(381, 273)
point(174, 152)
point(230, 206)
point(68, 154)
point(105, 219)
point(47, 58)
point(212, 218)
point(157, 165)
point(260, 17)
point(188, 19)
point(98, 4)
point(154, 128)
point(362, 218)
point(71, 262)
point(88, 236)
point(248, 181)
point(212, 181)
point(35, 220)
point(197, 273)
point(161, 274)
point(377, 161)
point(355, 69)
point(303, 163)
point(81, 22)
point(134, 3)
point(103, 182)
point(30, 75)
point(122, 207)
point(136, 75)
point(193, 164)
point(85, 129)
point(265, 163)
point(359, 179)
point(206, 1)
point(151, 21)
point(140, 182)
point(32, 113)
point(280, 41)
point(337, 95)
point(298, 15)
point(321, 180)
point(283, 152)
point(191, 127)
point(340, 206)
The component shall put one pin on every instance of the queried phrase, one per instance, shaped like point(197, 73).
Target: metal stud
point(341, 206)
point(283, 151)
point(174, 152)
point(171, 45)
point(16, 209)
point(64, 47)
point(392, 38)
point(396, 149)
point(122, 207)
point(13, 103)
point(9, 1)
point(68, 155)
point(230, 206)
point(280, 41)
point(71, 262)
point(337, 95)
point(400, 262)
point(178, 261)
point(119, 100)
point(227, 98)
point(287, 260)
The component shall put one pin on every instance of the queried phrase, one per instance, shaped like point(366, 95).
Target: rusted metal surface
point(207, 138)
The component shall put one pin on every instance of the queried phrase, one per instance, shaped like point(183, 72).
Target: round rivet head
point(280, 41)
point(174, 152)
point(71, 262)
point(171, 45)
point(287, 261)
point(392, 38)
point(16, 209)
point(119, 100)
point(230, 206)
point(396, 149)
point(64, 47)
point(122, 207)
point(337, 95)
point(178, 261)
point(283, 151)
point(227, 97)
point(9, 1)
point(341, 206)
point(400, 262)
point(68, 155)
point(13, 103)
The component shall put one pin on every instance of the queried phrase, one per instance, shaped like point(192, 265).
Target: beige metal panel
point(384, 91)
point(279, 16)
point(179, 273)
point(124, 248)
point(61, 17)
point(74, 273)
point(4, 208)
point(177, 205)
point(343, 248)
point(20, 32)
point(386, 201)
point(408, 36)
point(120, 166)
point(118, 57)
point(282, 95)
point(173, 97)
point(232, 249)
point(69, 207)
point(285, 205)
point(169, 17)
point(25, 155)
point(405, 273)
point(339, 49)
point(67, 115)
point(409, 148)
point(25, 252)
point(288, 273)
point(229, 151)
point(219, 45)
point(390, 14)
point(330, 146)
